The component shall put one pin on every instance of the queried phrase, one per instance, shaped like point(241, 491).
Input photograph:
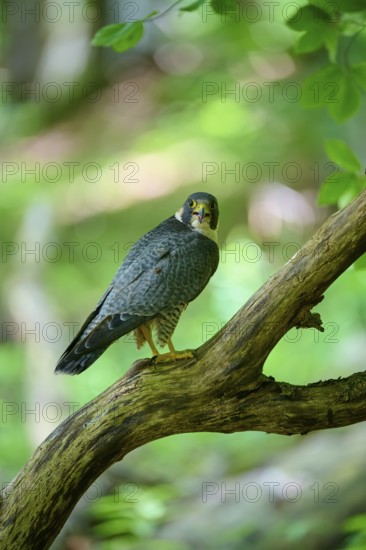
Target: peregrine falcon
point(164, 271)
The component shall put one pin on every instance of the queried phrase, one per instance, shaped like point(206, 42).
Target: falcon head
point(200, 212)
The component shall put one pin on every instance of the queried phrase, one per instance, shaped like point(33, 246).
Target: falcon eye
point(213, 205)
point(192, 203)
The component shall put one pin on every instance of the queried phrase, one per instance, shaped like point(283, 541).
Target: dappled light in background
point(272, 66)
point(178, 58)
point(273, 206)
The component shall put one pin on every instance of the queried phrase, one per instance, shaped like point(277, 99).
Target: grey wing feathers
point(160, 271)
point(163, 269)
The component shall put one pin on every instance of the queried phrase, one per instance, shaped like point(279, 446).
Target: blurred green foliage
point(355, 526)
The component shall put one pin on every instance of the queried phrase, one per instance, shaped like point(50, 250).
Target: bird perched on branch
point(164, 271)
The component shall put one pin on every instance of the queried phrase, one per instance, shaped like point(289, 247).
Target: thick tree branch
point(223, 391)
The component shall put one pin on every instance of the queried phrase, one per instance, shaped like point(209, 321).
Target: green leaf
point(357, 185)
point(119, 36)
point(307, 18)
point(319, 28)
point(348, 99)
point(355, 523)
point(332, 88)
point(309, 42)
point(152, 14)
point(331, 37)
point(335, 186)
point(321, 88)
point(335, 8)
point(339, 152)
point(223, 6)
point(353, 5)
point(330, 8)
point(194, 6)
point(359, 74)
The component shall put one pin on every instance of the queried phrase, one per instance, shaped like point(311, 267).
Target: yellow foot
point(176, 356)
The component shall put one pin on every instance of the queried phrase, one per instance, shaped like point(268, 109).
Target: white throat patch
point(178, 215)
point(203, 228)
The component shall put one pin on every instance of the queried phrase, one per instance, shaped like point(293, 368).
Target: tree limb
point(223, 391)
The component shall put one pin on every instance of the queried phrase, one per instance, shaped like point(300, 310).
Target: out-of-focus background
point(98, 147)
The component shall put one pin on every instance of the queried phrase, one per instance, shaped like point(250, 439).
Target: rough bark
point(223, 391)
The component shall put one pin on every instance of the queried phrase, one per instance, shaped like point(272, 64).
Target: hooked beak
point(202, 211)
point(201, 214)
